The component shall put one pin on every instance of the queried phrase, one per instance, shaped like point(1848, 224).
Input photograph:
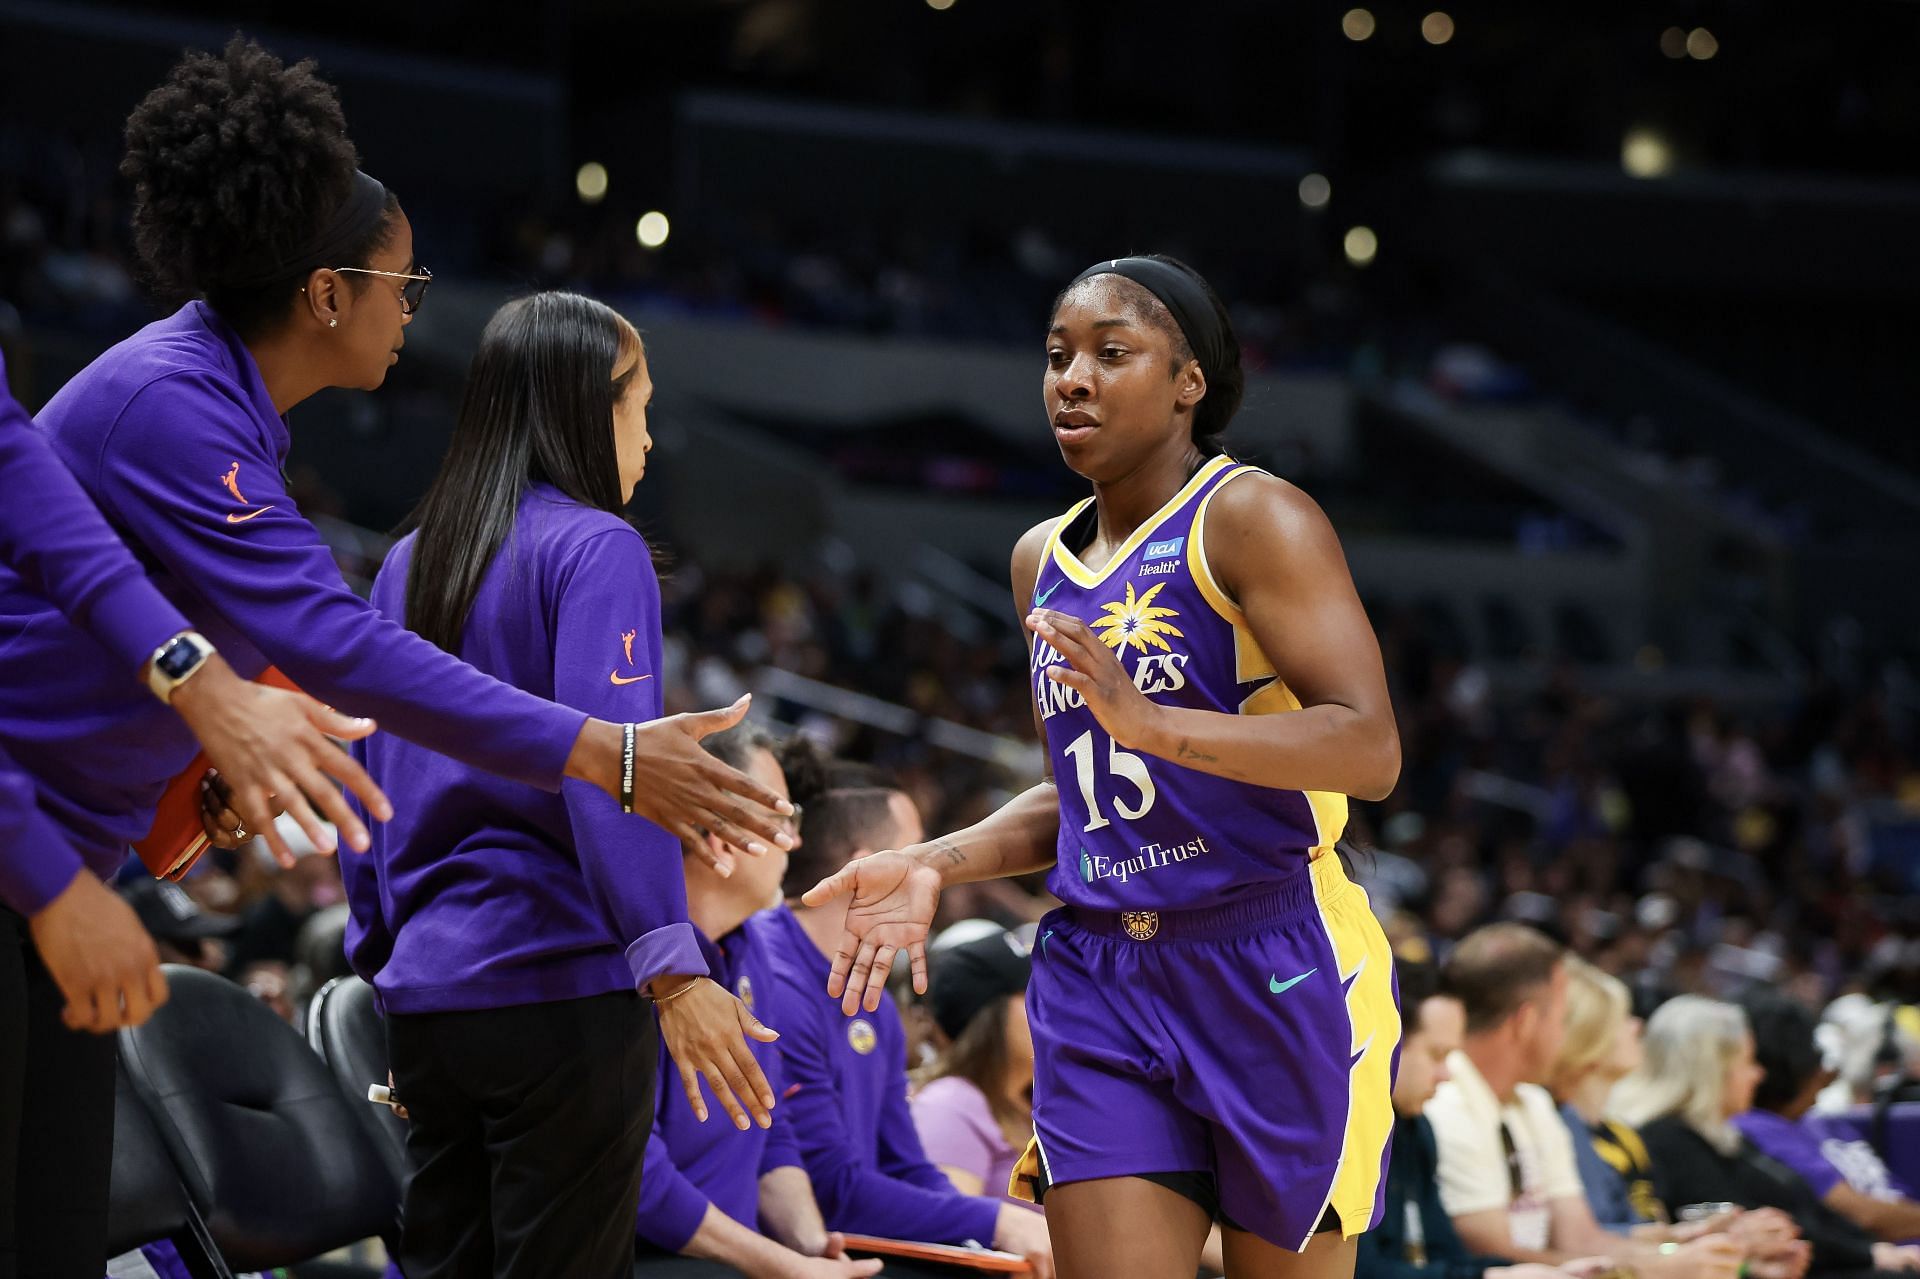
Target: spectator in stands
point(846, 1083)
point(183, 933)
point(1415, 1236)
point(1698, 1074)
point(974, 1107)
point(1873, 1048)
point(1847, 1175)
point(1507, 1172)
point(1602, 1046)
point(709, 1190)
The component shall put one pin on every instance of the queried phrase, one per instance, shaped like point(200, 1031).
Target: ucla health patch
point(1165, 550)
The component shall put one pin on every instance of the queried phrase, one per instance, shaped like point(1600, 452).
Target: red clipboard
point(178, 836)
point(999, 1263)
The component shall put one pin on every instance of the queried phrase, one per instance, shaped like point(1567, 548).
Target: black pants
point(56, 1124)
point(526, 1130)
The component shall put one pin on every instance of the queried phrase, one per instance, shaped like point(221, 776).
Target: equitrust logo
point(1095, 866)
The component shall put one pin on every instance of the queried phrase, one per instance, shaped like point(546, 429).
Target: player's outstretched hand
point(893, 897)
point(273, 748)
point(706, 1032)
point(1093, 670)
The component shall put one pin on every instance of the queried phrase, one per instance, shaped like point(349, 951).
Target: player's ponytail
point(1226, 381)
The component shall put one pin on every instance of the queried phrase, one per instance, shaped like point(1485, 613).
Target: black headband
point(351, 223)
point(1184, 297)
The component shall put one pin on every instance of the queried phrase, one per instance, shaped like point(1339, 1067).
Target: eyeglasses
point(411, 292)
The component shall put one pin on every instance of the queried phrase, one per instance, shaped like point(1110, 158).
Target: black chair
point(270, 1152)
point(345, 1028)
point(147, 1202)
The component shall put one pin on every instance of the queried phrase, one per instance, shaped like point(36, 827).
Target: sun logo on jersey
point(1137, 622)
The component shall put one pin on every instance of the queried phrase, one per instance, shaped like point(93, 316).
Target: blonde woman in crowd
point(1699, 1072)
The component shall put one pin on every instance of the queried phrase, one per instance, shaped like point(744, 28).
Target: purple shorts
point(1254, 1041)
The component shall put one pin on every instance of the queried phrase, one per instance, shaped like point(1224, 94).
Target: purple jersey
point(1139, 833)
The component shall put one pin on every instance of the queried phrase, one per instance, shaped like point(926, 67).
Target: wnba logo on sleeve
point(232, 481)
point(626, 646)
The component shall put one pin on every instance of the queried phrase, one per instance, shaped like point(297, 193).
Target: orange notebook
point(178, 837)
point(999, 1263)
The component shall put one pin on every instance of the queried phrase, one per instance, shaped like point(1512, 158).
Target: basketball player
point(1213, 1009)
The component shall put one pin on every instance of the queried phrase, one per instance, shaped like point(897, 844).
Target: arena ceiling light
point(1646, 153)
point(591, 182)
point(651, 230)
point(1358, 24)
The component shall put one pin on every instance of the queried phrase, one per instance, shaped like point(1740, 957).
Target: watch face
point(177, 658)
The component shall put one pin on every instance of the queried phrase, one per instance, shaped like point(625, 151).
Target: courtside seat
point(277, 1161)
point(147, 1202)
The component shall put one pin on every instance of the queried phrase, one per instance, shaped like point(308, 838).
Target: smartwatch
point(177, 661)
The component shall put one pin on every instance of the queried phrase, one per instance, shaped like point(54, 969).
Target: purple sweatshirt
point(692, 1164)
point(77, 564)
point(484, 892)
point(173, 436)
point(846, 1098)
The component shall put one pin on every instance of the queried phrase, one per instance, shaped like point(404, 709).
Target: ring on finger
point(240, 832)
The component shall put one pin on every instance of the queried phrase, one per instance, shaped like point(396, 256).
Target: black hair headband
point(352, 222)
point(1185, 299)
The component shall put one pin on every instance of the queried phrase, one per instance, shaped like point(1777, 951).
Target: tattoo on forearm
point(1186, 752)
point(948, 853)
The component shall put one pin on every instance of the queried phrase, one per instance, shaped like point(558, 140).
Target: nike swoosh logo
point(234, 517)
point(1279, 987)
point(618, 678)
point(1040, 600)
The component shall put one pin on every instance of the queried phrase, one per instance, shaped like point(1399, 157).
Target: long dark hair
point(538, 408)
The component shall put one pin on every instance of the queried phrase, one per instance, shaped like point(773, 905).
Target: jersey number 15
point(1119, 764)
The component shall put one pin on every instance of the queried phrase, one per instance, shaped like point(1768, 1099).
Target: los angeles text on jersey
point(1094, 866)
point(1152, 673)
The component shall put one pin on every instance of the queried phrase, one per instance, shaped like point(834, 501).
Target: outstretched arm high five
point(893, 894)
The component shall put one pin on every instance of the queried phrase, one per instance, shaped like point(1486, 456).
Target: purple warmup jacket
point(484, 892)
point(692, 1164)
point(75, 562)
point(172, 435)
point(846, 1099)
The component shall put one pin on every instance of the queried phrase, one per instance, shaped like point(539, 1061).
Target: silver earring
point(334, 323)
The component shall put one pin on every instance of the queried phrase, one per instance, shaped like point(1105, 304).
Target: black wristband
point(626, 768)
